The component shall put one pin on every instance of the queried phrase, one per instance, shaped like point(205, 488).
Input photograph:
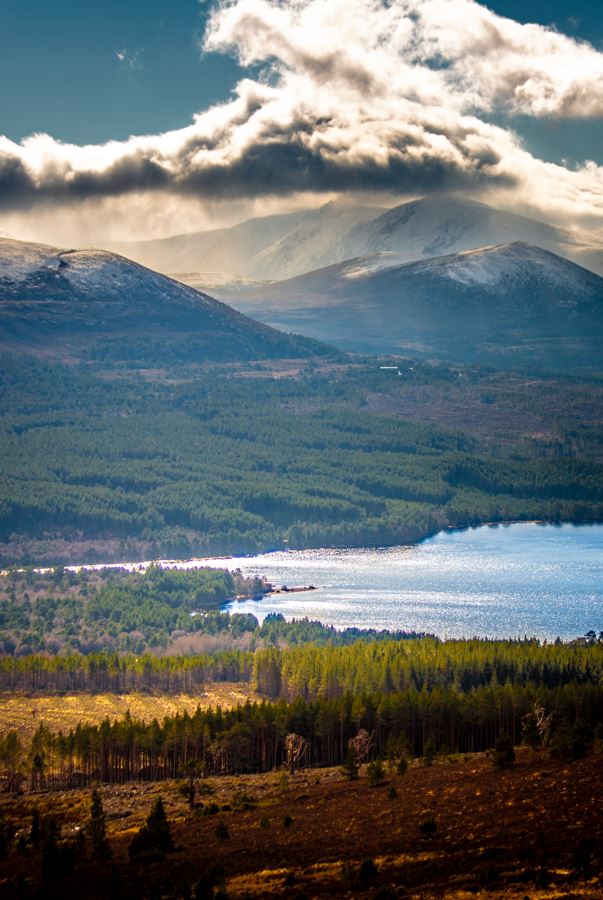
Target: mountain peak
point(96, 304)
point(510, 304)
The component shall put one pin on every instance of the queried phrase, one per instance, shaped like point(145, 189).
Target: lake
point(526, 578)
point(495, 581)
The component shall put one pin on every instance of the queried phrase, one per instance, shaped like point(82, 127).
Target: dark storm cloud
point(350, 100)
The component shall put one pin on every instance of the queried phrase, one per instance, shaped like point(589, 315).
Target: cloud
point(354, 95)
point(130, 59)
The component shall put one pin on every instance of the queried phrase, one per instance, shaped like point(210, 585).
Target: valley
point(301, 450)
point(142, 419)
point(103, 464)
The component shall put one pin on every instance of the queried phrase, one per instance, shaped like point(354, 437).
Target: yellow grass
point(25, 713)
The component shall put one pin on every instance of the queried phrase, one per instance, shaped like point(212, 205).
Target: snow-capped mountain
point(511, 303)
point(70, 301)
point(269, 247)
point(442, 224)
point(283, 246)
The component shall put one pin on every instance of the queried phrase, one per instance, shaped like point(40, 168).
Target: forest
point(59, 611)
point(106, 465)
point(412, 697)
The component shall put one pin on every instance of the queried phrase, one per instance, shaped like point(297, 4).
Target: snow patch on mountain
point(86, 273)
point(286, 245)
point(505, 267)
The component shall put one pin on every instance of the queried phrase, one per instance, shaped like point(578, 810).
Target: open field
point(25, 713)
point(535, 831)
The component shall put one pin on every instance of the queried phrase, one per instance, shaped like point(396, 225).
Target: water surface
point(495, 581)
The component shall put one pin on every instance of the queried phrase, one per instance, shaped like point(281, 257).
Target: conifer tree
point(349, 766)
point(155, 835)
point(504, 751)
point(97, 828)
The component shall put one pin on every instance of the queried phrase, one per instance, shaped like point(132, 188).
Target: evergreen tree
point(97, 828)
point(57, 856)
point(429, 752)
point(375, 772)
point(530, 734)
point(349, 766)
point(504, 751)
point(155, 836)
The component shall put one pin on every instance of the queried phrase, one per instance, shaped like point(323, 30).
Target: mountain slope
point(84, 302)
point(511, 303)
point(278, 246)
point(442, 224)
point(283, 246)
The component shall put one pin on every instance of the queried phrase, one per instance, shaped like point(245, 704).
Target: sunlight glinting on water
point(494, 581)
point(506, 581)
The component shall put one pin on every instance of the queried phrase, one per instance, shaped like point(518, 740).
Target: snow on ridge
point(504, 263)
point(90, 271)
point(19, 259)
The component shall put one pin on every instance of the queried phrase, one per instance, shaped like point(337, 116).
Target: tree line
point(256, 737)
point(357, 664)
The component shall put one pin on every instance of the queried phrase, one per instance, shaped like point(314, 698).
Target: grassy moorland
point(455, 829)
point(106, 463)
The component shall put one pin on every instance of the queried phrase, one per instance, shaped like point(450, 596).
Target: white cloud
point(130, 59)
point(373, 95)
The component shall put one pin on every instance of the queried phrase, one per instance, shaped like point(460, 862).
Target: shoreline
point(197, 562)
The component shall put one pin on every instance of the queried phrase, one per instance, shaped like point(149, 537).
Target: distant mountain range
point(439, 278)
point(270, 247)
point(509, 304)
point(283, 246)
point(95, 304)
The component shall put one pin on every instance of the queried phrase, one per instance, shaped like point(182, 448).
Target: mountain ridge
point(509, 303)
point(283, 246)
point(78, 299)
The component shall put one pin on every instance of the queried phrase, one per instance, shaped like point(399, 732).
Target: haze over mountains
point(268, 247)
point(283, 246)
point(440, 277)
point(510, 304)
point(80, 302)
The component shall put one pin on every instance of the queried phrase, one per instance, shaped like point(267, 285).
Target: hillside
point(508, 304)
point(513, 834)
point(92, 303)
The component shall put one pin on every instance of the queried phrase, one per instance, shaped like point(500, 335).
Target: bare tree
point(296, 748)
point(361, 745)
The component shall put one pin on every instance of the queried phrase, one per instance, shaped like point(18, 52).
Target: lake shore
point(114, 558)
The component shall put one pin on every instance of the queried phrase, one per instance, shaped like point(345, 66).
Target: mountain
point(283, 246)
point(83, 303)
point(441, 224)
point(269, 247)
point(507, 304)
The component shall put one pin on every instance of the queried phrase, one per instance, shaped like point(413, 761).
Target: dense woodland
point(416, 697)
point(101, 465)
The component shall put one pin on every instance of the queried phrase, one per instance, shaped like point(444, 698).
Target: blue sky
point(366, 97)
point(61, 60)
point(66, 78)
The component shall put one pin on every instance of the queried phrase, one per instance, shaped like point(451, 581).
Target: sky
point(148, 117)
